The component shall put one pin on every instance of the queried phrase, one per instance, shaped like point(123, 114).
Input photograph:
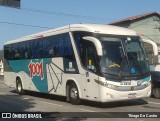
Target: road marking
point(51, 103)
point(2, 85)
point(2, 93)
point(87, 110)
point(25, 98)
point(154, 103)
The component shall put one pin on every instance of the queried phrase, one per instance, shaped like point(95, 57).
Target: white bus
point(100, 63)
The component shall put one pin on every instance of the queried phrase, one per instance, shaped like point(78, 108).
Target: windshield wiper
point(123, 62)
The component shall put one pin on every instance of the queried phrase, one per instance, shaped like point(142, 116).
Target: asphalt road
point(10, 101)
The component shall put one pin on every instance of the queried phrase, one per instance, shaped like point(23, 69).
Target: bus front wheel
point(74, 94)
point(19, 87)
point(156, 93)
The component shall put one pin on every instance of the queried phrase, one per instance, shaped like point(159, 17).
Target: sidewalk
point(1, 78)
point(2, 83)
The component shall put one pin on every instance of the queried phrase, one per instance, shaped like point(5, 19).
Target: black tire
point(19, 87)
point(156, 93)
point(74, 94)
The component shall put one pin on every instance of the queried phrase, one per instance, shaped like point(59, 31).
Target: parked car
point(155, 76)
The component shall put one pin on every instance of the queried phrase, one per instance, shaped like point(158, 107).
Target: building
point(147, 25)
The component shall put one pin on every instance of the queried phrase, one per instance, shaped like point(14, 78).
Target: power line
point(63, 14)
point(50, 13)
point(59, 14)
point(17, 24)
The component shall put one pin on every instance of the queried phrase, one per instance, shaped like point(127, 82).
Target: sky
point(40, 15)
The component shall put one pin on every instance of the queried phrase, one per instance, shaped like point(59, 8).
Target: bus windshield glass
point(123, 57)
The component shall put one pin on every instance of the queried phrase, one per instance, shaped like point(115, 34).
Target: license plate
point(134, 83)
point(132, 95)
point(126, 83)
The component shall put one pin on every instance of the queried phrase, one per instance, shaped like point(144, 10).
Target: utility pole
point(10, 3)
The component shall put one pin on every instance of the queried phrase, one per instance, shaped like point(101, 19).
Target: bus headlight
point(146, 84)
point(105, 84)
point(100, 82)
point(111, 86)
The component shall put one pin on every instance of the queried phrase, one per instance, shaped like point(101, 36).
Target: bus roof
point(95, 28)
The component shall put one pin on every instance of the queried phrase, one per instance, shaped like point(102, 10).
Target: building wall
point(148, 26)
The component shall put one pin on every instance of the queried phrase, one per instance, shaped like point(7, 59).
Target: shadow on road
point(19, 104)
point(14, 103)
point(43, 95)
point(90, 103)
point(116, 104)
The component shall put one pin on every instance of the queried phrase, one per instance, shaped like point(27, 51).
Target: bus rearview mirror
point(97, 44)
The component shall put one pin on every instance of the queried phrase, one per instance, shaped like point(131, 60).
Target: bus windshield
point(123, 57)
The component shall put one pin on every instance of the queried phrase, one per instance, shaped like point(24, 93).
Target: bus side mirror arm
point(156, 60)
point(97, 44)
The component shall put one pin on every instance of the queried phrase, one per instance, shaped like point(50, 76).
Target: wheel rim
point(157, 93)
point(19, 87)
point(74, 93)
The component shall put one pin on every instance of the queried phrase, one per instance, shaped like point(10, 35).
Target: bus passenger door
point(91, 69)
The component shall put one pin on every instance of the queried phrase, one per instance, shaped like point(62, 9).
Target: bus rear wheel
point(74, 94)
point(19, 87)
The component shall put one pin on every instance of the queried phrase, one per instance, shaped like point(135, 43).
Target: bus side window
point(68, 49)
point(28, 53)
point(17, 51)
point(90, 57)
point(37, 48)
point(7, 51)
point(46, 47)
point(79, 45)
point(22, 53)
point(12, 52)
